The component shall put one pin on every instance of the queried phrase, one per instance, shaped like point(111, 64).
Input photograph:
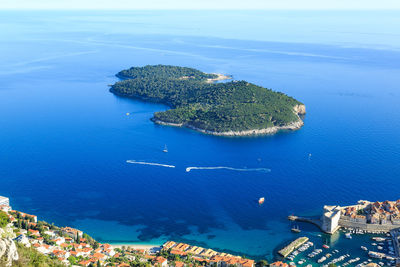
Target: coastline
point(270, 130)
point(136, 246)
point(298, 109)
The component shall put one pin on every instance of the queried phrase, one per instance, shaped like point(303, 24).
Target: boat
point(295, 229)
point(325, 246)
point(165, 150)
point(348, 235)
point(127, 114)
point(364, 248)
point(261, 200)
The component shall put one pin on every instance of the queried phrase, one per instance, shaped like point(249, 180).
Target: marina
point(361, 249)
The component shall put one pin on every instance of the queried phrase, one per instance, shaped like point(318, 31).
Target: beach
point(221, 77)
point(136, 246)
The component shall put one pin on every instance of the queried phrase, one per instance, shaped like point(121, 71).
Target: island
point(203, 102)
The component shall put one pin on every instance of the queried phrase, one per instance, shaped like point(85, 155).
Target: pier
point(292, 246)
point(395, 237)
point(316, 222)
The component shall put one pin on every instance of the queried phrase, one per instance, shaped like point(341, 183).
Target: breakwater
point(292, 246)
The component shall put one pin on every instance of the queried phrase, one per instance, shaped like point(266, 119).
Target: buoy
point(127, 114)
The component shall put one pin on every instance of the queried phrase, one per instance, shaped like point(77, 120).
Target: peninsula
point(198, 101)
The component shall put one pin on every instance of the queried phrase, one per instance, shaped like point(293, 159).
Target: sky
point(200, 4)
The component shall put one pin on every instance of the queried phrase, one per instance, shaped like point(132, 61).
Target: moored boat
point(296, 229)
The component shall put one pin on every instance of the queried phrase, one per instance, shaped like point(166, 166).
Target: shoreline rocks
point(298, 109)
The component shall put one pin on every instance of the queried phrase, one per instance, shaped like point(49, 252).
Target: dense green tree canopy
point(194, 101)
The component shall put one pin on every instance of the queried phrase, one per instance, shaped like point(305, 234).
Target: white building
point(330, 218)
point(4, 201)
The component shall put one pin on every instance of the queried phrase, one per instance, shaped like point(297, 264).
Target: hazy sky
point(201, 4)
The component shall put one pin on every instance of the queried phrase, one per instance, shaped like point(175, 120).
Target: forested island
point(199, 102)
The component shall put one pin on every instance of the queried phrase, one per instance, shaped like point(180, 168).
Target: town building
point(4, 201)
point(330, 218)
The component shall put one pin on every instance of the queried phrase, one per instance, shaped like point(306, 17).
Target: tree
point(4, 220)
point(72, 260)
point(98, 263)
point(262, 263)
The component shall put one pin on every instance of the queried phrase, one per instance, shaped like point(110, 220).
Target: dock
point(292, 246)
point(395, 234)
point(316, 222)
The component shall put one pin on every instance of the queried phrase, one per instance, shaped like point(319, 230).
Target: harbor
point(347, 247)
point(355, 235)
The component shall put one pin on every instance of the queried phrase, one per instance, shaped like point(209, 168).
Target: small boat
point(165, 150)
point(325, 246)
point(348, 235)
point(295, 229)
point(261, 200)
point(364, 248)
point(127, 114)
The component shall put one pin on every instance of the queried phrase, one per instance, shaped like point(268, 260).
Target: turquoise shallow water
point(65, 139)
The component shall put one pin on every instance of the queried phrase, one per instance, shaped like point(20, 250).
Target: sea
point(67, 144)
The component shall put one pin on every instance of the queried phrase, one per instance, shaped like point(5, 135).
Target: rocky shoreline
point(298, 109)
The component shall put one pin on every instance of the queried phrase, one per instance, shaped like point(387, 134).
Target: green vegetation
point(195, 102)
point(3, 219)
point(30, 257)
point(262, 263)
point(164, 72)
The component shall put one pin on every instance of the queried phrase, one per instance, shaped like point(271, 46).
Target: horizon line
point(198, 9)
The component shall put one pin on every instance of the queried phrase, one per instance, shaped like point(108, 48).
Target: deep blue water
point(64, 139)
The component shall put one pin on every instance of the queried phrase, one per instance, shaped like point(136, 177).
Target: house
point(50, 233)
point(375, 218)
point(99, 256)
point(360, 219)
point(161, 261)
point(85, 262)
point(64, 245)
point(246, 263)
point(178, 252)
point(72, 232)
point(179, 264)
point(59, 240)
point(60, 254)
point(32, 232)
point(395, 218)
point(168, 245)
point(181, 247)
point(27, 216)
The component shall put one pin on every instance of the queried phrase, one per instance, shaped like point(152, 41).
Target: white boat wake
point(150, 163)
point(188, 169)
